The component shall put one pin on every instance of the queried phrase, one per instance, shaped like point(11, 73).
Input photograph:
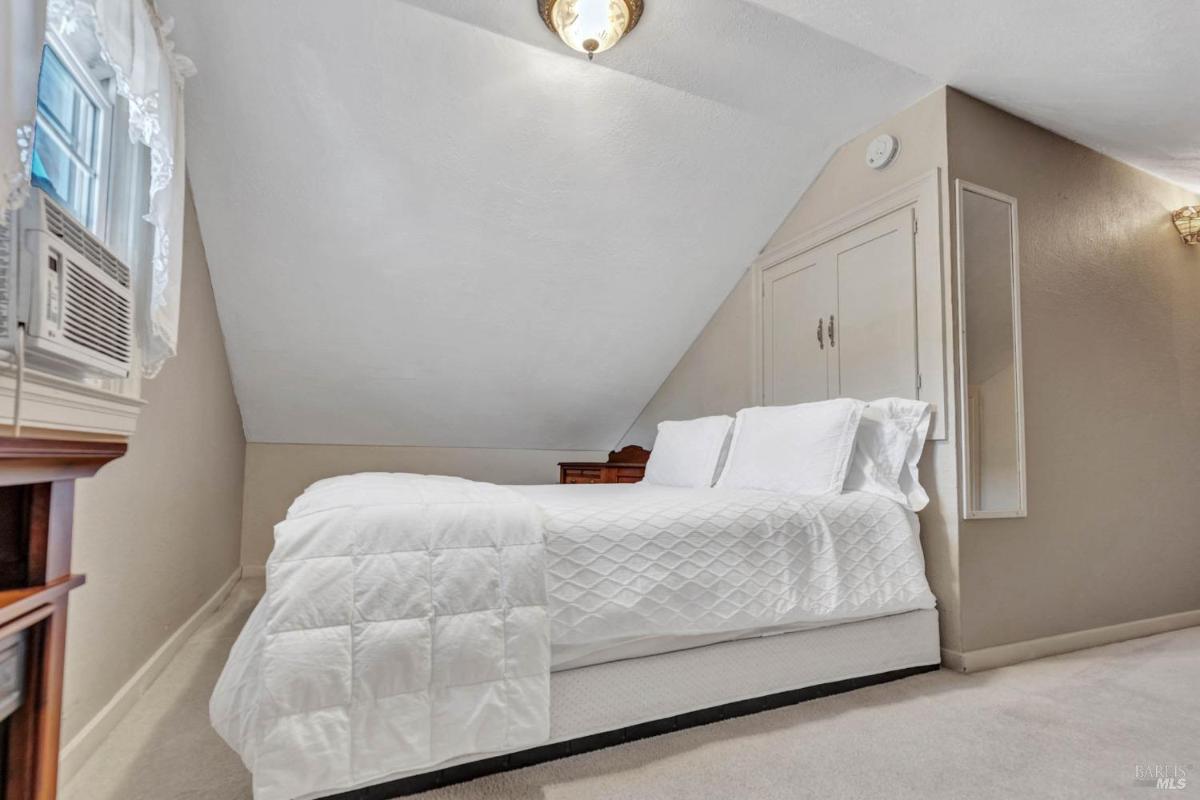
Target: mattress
point(636, 570)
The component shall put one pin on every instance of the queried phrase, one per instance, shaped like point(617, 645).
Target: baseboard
point(83, 744)
point(254, 570)
point(1016, 652)
point(952, 659)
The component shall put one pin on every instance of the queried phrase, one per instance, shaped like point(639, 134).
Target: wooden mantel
point(37, 499)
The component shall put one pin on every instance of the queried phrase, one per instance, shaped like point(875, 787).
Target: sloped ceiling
point(429, 223)
point(1115, 75)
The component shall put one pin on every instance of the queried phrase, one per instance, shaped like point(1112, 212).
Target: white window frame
point(129, 235)
point(102, 99)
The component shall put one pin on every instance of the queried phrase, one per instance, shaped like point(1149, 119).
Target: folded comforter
point(404, 624)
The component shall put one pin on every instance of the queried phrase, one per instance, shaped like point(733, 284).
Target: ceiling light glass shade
point(590, 26)
point(1187, 221)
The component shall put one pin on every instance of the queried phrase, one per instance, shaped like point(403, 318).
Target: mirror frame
point(968, 510)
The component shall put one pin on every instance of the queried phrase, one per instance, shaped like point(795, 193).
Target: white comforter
point(406, 621)
point(404, 624)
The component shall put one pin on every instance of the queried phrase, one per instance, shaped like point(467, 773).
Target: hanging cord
point(20, 380)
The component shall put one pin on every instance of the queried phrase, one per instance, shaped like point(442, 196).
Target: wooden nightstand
point(627, 465)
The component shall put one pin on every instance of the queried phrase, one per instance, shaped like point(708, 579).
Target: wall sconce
point(1187, 220)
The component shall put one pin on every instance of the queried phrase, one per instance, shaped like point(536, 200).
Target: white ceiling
point(1117, 75)
point(429, 223)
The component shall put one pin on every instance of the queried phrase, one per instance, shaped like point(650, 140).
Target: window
point(81, 157)
point(70, 147)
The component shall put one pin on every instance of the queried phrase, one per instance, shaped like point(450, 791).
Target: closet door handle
point(820, 334)
point(831, 330)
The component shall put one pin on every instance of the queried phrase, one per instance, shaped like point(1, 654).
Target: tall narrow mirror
point(989, 317)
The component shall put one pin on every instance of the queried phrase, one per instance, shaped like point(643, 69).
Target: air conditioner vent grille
point(95, 317)
point(64, 227)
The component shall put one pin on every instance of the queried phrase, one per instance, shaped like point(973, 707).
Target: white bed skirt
point(618, 694)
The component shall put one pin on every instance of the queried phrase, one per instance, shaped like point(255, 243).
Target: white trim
point(924, 195)
point(75, 752)
point(904, 195)
point(1016, 652)
point(952, 659)
point(53, 402)
point(969, 468)
point(756, 320)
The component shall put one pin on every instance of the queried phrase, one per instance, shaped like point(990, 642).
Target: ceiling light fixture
point(1187, 222)
point(590, 26)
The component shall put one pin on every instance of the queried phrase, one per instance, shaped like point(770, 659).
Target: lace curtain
point(148, 73)
point(24, 26)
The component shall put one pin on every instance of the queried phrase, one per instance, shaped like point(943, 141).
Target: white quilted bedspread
point(404, 624)
point(411, 619)
point(639, 569)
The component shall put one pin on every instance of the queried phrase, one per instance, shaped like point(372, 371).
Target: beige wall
point(846, 182)
point(716, 375)
point(277, 473)
point(1110, 307)
point(158, 531)
point(1112, 380)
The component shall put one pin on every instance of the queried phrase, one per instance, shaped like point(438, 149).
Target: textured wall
point(277, 473)
point(716, 375)
point(158, 531)
point(1110, 307)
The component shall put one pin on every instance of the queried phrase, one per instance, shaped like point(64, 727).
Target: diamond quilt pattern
point(681, 562)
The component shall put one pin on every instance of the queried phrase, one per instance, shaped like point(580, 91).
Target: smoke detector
point(882, 151)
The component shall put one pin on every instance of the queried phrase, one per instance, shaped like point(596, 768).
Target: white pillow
point(802, 449)
point(687, 453)
point(891, 437)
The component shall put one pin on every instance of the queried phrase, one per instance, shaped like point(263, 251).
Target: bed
point(399, 647)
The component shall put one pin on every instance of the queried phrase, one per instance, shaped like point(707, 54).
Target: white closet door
point(874, 350)
point(797, 296)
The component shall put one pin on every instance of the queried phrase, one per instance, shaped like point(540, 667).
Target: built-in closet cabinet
point(841, 320)
point(856, 308)
point(797, 297)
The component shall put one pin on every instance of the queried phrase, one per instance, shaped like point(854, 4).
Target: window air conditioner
point(74, 297)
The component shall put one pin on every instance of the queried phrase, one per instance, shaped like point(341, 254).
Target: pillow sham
point(687, 453)
point(802, 449)
point(890, 440)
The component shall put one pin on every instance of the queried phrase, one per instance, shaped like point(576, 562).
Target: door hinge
point(916, 225)
point(920, 381)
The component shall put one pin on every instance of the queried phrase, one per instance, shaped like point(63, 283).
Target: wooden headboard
point(630, 454)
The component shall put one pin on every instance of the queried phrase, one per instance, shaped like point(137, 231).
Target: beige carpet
point(1075, 726)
